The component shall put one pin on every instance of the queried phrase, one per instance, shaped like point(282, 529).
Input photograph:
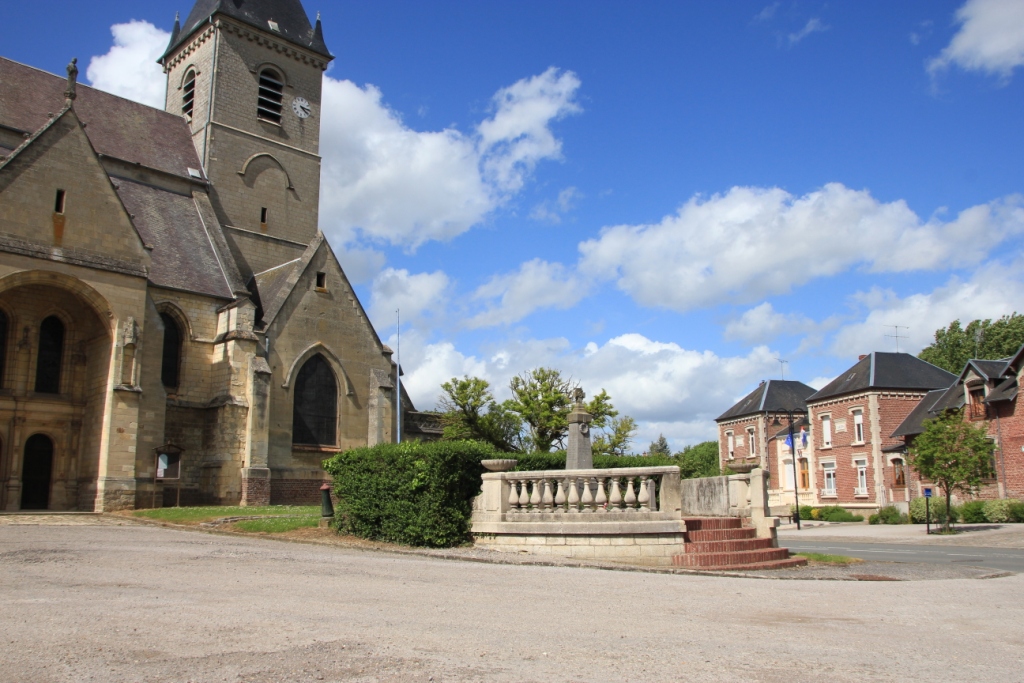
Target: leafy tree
point(955, 345)
point(617, 436)
point(952, 453)
point(700, 460)
point(469, 411)
point(659, 447)
point(543, 399)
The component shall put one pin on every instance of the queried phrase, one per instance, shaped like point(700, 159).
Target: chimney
point(862, 356)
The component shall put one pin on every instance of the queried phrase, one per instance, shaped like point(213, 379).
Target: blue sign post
point(927, 510)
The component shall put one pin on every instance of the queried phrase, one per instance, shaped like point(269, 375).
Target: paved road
point(1005, 559)
point(106, 603)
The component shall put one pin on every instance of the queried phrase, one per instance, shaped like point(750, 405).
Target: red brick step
point(787, 563)
point(720, 535)
point(729, 559)
point(728, 546)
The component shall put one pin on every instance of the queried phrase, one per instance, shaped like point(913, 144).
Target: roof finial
point(70, 94)
point(318, 15)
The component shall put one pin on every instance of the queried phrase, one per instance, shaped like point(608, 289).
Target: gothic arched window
point(51, 353)
point(172, 352)
point(315, 413)
point(268, 104)
point(188, 94)
point(3, 345)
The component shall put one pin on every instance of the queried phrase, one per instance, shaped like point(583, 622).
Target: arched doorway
point(36, 473)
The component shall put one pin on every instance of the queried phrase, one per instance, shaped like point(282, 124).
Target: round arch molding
point(96, 301)
point(254, 157)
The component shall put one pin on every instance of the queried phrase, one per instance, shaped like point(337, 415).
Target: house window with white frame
point(730, 445)
point(858, 426)
point(862, 476)
point(830, 478)
point(752, 442)
point(826, 431)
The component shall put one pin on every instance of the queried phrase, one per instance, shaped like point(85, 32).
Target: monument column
point(578, 454)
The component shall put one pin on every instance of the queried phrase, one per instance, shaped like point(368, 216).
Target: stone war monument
point(578, 454)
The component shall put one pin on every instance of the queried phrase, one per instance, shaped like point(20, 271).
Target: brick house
point(987, 391)
point(746, 432)
point(851, 451)
point(164, 283)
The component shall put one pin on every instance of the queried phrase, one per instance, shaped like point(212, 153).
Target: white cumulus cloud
point(417, 296)
point(129, 68)
point(990, 38)
point(813, 25)
point(763, 323)
point(537, 284)
point(992, 291)
point(752, 242)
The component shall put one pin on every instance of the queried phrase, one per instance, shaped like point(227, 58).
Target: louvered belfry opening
point(315, 414)
point(51, 353)
point(188, 94)
point(268, 106)
point(172, 352)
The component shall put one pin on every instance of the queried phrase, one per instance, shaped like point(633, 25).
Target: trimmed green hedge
point(413, 493)
point(937, 508)
point(532, 462)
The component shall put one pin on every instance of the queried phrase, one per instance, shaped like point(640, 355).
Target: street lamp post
point(792, 449)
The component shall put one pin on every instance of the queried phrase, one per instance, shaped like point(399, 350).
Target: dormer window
point(268, 105)
point(188, 95)
point(273, 25)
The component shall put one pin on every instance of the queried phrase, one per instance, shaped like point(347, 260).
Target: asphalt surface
point(131, 603)
point(1005, 559)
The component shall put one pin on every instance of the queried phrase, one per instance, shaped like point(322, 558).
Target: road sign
point(927, 493)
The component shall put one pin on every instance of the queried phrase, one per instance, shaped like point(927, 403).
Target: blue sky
point(660, 199)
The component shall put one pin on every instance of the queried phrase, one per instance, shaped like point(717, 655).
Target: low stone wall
point(705, 497)
point(636, 548)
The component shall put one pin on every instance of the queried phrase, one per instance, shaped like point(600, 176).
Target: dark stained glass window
point(172, 352)
point(3, 346)
point(315, 414)
point(51, 353)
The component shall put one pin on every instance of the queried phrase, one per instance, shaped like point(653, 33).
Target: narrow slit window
point(263, 215)
point(188, 95)
point(321, 280)
point(268, 104)
point(51, 353)
point(58, 202)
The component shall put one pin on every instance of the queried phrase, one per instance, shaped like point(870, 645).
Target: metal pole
point(398, 375)
point(928, 514)
point(796, 484)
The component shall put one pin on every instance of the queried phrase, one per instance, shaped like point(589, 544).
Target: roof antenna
point(782, 364)
point(70, 94)
point(897, 335)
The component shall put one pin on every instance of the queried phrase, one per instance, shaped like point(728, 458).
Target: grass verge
point(198, 515)
point(821, 558)
point(276, 525)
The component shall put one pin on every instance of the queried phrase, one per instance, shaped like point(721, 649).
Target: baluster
point(560, 496)
point(547, 498)
point(644, 498)
point(587, 499)
point(630, 495)
point(652, 494)
point(574, 496)
point(600, 500)
point(513, 495)
point(535, 496)
point(615, 498)
point(524, 496)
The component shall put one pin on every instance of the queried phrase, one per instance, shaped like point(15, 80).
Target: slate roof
point(290, 17)
point(914, 422)
point(183, 255)
point(883, 370)
point(116, 127)
point(1004, 391)
point(775, 395)
point(987, 369)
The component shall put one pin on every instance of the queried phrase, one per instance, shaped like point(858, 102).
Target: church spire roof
point(286, 18)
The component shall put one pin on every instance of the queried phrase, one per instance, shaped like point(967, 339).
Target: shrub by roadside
point(973, 512)
point(937, 511)
point(829, 513)
point(412, 493)
point(1002, 511)
point(889, 515)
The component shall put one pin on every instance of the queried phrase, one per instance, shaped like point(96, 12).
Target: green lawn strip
point(197, 515)
point(821, 558)
point(276, 525)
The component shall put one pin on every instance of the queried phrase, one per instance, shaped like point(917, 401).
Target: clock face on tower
point(301, 107)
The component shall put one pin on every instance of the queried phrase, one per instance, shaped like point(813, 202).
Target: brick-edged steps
point(723, 543)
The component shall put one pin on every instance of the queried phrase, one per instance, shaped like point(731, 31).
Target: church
point(174, 326)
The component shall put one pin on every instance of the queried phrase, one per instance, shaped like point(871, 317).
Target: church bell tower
point(247, 76)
